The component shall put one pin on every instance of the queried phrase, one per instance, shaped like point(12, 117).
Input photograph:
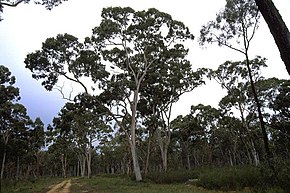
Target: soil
point(62, 187)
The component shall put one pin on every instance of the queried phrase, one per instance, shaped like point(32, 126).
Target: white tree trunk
point(89, 161)
point(133, 147)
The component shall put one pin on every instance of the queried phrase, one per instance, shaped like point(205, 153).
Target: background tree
point(163, 86)
point(233, 76)
point(234, 28)
point(12, 115)
point(186, 132)
point(81, 127)
point(36, 138)
point(280, 120)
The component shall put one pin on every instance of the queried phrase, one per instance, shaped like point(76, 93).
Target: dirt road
point(62, 187)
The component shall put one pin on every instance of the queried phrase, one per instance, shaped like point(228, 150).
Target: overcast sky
point(25, 27)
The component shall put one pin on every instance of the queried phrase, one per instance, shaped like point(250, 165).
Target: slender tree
point(36, 142)
point(235, 27)
point(163, 87)
point(233, 76)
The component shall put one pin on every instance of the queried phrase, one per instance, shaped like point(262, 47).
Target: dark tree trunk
point(260, 115)
point(277, 28)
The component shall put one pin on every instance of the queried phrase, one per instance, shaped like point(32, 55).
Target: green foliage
point(125, 185)
point(7, 90)
point(278, 175)
point(236, 23)
point(259, 179)
point(172, 177)
point(231, 178)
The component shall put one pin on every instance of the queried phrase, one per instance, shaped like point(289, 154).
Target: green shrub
point(276, 177)
point(229, 178)
point(170, 177)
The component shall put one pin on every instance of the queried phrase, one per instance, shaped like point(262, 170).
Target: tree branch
point(11, 4)
point(60, 89)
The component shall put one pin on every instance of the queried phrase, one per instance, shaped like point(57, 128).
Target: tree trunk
point(132, 141)
point(37, 165)
point(165, 155)
point(230, 158)
point(277, 28)
point(163, 150)
point(78, 168)
point(89, 161)
point(188, 160)
point(148, 154)
point(82, 162)
point(3, 164)
point(83, 166)
point(63, 165)
point(260, 116)
point(136, 166)
point(255, 154)
point(18, 168)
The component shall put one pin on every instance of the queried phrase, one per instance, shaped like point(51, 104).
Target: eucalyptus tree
point(14, 127)
point(276, 92)
point(163, 86)
point(187, 131)
point(227, 136)
point(233, 76)
point(58, 154)
point(36, 140)
point(127, 43)
point(207, 118)
point(83, 128)
point(235, 27)
point(13, 116)
point(114, 153)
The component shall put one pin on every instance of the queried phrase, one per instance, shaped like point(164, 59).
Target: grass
point(102, 184)
point(114, 184)
point(29, 186)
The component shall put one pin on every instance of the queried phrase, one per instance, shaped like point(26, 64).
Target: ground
point(62, 187)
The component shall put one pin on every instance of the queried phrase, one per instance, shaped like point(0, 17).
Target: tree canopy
point(119, 58)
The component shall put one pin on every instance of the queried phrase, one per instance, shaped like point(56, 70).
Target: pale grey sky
point(24, 28)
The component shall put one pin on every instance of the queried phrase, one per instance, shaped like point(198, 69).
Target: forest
point(130, 72)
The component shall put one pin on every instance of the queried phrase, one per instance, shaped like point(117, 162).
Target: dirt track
point(62, 187)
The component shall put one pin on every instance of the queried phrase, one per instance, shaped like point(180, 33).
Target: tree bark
point(260, 115)
point(136, 166)
point(89, 161)
point(163, 145)
point(148, 153)
point(277, 28)
point(132, 141)
point(63, 164)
